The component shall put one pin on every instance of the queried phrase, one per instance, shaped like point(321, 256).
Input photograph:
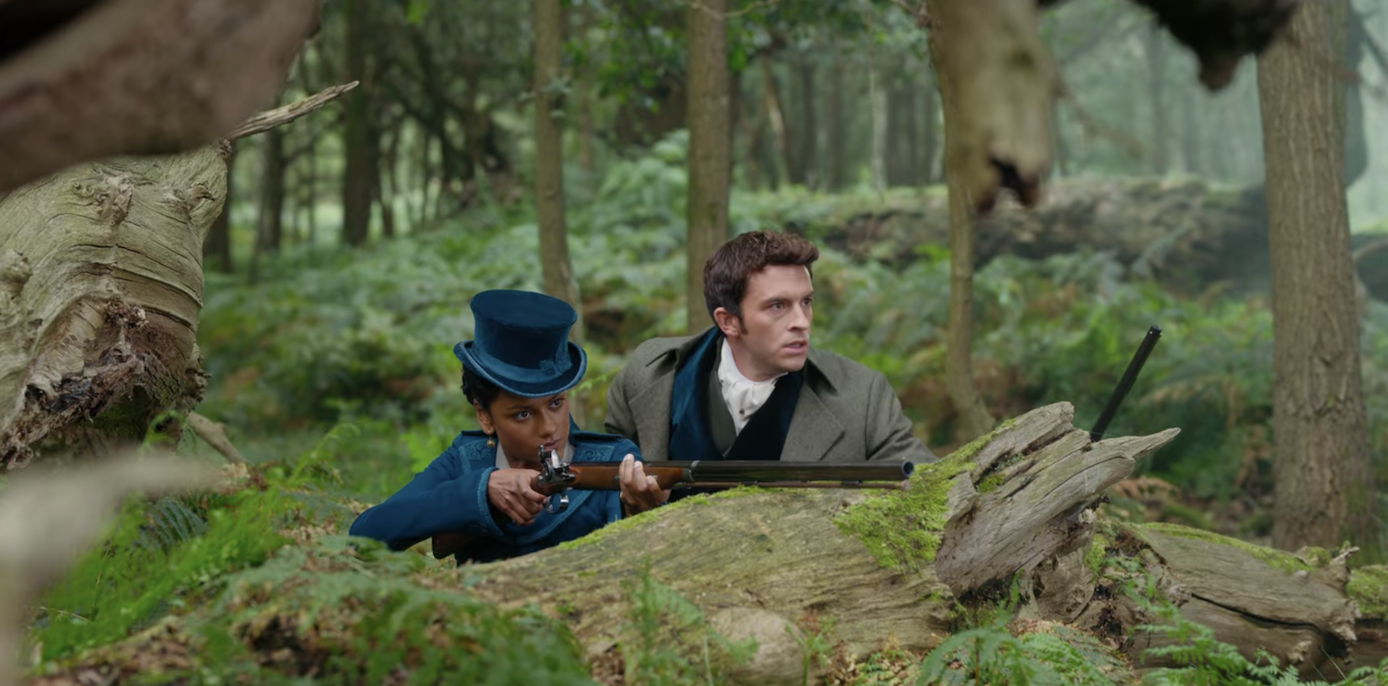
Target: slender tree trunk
point(931, 131)
point(547, 22)
point(1156, 83)
point(808, 128)
point(834, 128)
point(877, 101)
point(709, 153)
point(216, 250)
point(356, 178)
point(974, 419)
point(775, 116)
point(1323, 482)
point(749, 126)
point(386, 180)
point(1190, 134)
point(269, 227)
point(910, 147)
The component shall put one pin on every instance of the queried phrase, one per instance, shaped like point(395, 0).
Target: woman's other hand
point(510, 491)
point(640, 491)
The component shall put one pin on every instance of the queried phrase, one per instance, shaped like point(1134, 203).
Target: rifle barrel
point(743, 471)
point(1125, 384)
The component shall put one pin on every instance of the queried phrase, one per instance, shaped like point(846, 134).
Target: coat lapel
point(813, 429)
point(652, 409)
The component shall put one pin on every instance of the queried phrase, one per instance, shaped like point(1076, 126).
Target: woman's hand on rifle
point(640, 491)
point(511, 492)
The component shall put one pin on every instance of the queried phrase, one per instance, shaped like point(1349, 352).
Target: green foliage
point(992, 655)
point(667, 642)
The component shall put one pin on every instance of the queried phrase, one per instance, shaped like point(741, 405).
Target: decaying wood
point(108, 312)
point(1021, 509)
point(100, 291)
point(782, 556)
point(283, 115)
point(215, 435)
point(126, 77)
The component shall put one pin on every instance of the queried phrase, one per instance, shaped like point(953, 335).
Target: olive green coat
point(846, 412)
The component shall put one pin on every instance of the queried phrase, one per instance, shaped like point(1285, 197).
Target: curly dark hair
point(478, 390)
point(730, 266)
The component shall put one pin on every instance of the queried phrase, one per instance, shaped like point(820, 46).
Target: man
point(752, 387)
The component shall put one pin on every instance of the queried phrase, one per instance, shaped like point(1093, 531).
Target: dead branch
point(215, 435)
point(283, 115)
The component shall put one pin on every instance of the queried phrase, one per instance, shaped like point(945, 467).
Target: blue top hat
point(521, 343)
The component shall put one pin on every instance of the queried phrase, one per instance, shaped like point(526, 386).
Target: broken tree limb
point(215, 435)
point(283, 115)
point(134, 77)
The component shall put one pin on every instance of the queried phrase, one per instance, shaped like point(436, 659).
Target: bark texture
point(1323, 479)
point(101, 280)
point(710, 148)
point(559, 281)
point(140, 77)
point(959, 380)
point(103, 285)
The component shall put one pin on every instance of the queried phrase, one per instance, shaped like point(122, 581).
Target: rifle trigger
point(557, 503)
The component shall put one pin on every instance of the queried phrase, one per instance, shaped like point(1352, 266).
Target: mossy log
point(898, 569)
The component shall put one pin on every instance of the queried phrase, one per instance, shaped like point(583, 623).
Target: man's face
point(772, 336)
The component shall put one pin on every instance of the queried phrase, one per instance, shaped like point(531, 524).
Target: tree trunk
point(270, 222)
point(356, 176)
point(803, 169)
point(216, 250)
point(1156, 85)
point(1190, 135)
point(834, 129)
point(709, 151)
point(974, 419)
point(877, 104)
point(1323, 482)
point(138, 77)
point(559, 281)
point(930, 148)
point(102, 278)
point(775, 116)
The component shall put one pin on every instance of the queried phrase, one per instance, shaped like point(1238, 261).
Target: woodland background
point(339, 272)
point(320, 311)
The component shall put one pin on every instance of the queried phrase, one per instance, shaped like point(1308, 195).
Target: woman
point(516, 373)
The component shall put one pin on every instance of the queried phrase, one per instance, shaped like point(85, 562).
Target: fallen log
point(1016, 507)
point(850, 574)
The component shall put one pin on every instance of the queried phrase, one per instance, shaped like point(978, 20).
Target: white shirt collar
point(503, 463)
point(742, 395)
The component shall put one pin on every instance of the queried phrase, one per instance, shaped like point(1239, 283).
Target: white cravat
point(743, 395)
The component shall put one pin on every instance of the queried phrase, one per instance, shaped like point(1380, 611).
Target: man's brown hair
point(730, 266)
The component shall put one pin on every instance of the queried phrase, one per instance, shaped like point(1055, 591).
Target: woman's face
point(524, 426)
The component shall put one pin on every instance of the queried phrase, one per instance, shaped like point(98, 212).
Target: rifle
point(557, 476)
